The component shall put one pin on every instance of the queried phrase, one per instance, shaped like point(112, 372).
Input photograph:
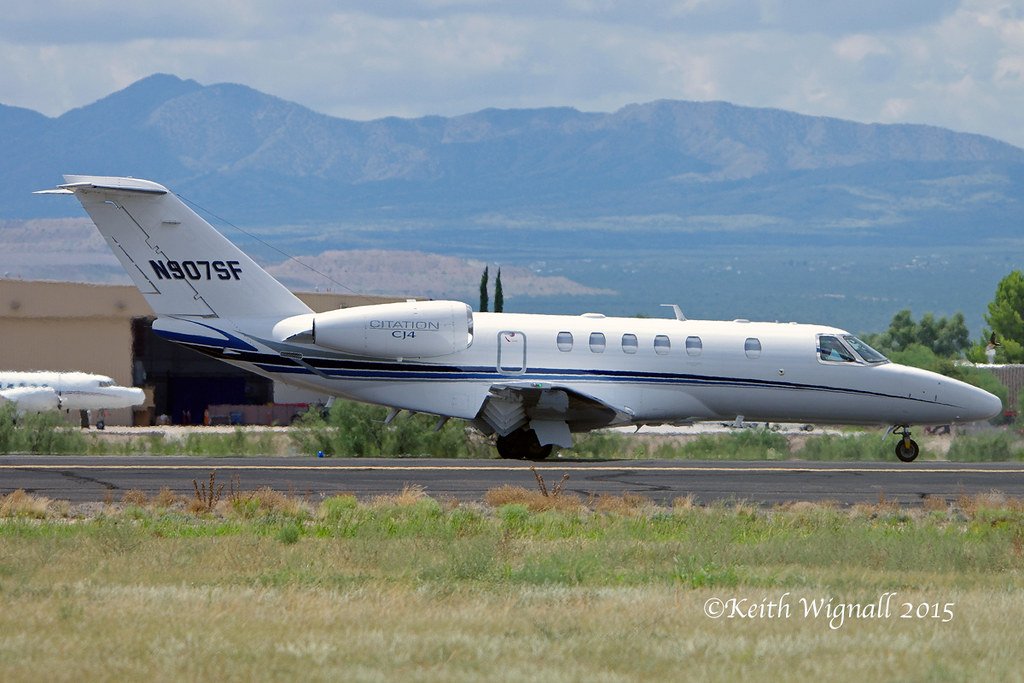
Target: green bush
point(336, 508)
point(40, 433)
point(358, 430)
point(990, 446)
point(747, 444)
point(845, 448)
point(289, 533)
point(8, 432)
point(607, 445)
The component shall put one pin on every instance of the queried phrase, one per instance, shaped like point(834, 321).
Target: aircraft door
point(511, 352)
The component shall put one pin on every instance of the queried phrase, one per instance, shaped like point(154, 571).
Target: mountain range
point(702, 168)
point(655, 200)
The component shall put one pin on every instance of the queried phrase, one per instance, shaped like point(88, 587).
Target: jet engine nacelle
point(31, 399)
point(412, 329)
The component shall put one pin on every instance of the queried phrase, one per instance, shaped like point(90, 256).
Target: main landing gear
point(907, 449)
point(522, 444)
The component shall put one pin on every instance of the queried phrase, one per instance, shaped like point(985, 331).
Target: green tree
point(902, 330)
point(946, 337)
point(1004, 317)
point(928, 331)
point(483, 291)
point(953, 336)
point(499, 295)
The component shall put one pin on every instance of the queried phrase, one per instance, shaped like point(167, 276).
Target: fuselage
point(654, 371)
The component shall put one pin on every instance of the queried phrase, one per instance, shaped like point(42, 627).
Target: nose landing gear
point(907, 449)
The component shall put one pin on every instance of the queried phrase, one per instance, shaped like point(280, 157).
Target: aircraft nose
point(133, 396)
point(978, 404)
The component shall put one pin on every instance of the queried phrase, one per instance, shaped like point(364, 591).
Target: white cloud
point(896, 109)
point(855, 48)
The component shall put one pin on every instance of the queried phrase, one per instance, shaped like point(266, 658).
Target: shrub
point(990, 446)
point(747, 444)
point(166, 498)
point(845, 448)
point(608, 445)
point(135, 497)
point(357, 430)
point(42, 433)
point(336, 508)
point(7, 428)
point(21, 504)
point(289, 533)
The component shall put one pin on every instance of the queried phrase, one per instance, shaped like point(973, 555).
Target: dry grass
point(206, 496)
point(628, 504)
point(993, 500)
point(135, 497)
point(262, 501)
point(934, 504)
point(808, 506)
point(166, 498)
point(408, 496)
point(507, 494)
point(21, 504)
point(687, 502)
point(533, 500)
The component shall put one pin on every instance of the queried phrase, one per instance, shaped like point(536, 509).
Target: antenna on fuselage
point(675, 309)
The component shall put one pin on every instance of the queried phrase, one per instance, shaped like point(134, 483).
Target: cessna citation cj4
point(41, 391)
point(531, 380)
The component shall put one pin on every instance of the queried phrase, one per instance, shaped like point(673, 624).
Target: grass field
point(259, 585)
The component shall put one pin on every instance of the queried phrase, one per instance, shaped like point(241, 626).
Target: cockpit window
point(833, 350)
point(864, 351)
point(106, 383)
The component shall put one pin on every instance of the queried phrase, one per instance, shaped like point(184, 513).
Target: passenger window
point(564, 341)
point(832, 350)
point(694, 346)
point(597, 342)
point(752, 347)
point(662, 345)
point(629, 343)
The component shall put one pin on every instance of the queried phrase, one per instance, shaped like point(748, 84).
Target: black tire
point(907, 450)
point(522, 444)
point(507, 447)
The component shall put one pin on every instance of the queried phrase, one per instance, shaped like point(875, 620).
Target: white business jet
point(37, 392)
point(530, 380)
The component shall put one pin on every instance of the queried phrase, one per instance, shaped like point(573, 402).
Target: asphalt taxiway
point(107, 478)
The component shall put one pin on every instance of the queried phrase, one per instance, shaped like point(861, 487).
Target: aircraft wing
point(33, 399)
point(553, 411)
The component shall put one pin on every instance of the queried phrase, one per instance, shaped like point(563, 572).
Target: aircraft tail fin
point(180, 263)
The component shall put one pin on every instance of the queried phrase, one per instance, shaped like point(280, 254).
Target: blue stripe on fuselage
point(360, 370)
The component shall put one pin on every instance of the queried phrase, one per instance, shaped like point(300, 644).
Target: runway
point(106, 478)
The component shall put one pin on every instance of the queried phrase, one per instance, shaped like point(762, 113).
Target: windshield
point(832, 350)
point(864, 351)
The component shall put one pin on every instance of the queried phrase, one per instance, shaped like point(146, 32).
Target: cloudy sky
point(952, 63)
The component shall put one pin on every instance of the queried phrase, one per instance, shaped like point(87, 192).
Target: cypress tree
point(483, 291)
point(499, 296)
